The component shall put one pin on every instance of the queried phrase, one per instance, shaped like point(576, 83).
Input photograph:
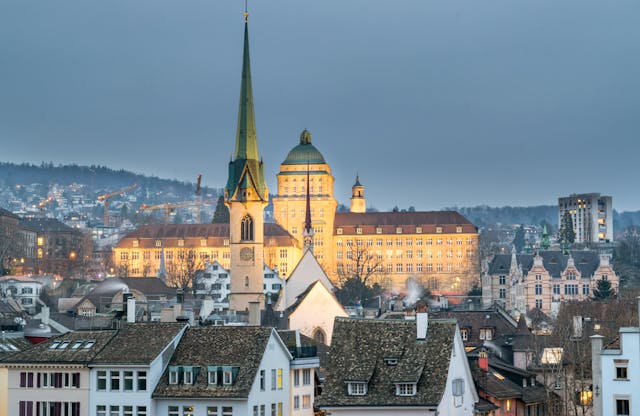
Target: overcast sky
point(434, 103)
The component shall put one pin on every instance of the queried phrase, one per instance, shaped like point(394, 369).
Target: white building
point(382, 367)
point(125, 373)
point(592, 216)
point(215, 281)
point(25, 290)
point(226, 371)
point(616, 374)
point(52, 378)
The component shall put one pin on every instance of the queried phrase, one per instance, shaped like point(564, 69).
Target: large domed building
point(439, 248)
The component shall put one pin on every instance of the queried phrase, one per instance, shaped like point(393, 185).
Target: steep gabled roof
point(358, 351)
point(90, 344)
point(138, 343)
point(241, 347)
point(586, 261)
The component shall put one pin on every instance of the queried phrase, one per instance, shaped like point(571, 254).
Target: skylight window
point(88, 345)
point(54, 345)
point(4, 347)
point(63, 345)
point(76, 345)
point(391, 361)
point(498, 376)
point(13, 347)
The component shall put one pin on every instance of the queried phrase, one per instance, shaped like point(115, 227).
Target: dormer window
point(174, 375)
point(357, 388)
point(486, 334)
point(406, 389)
point(338, 230)
point(213, 375)
point(418, 230)
point(378, 230)
point(391, 361)
point(227, 377)
point(358, 230)
point(459, 229)
point(180, 243)
point(439, 230)
point(188, 375)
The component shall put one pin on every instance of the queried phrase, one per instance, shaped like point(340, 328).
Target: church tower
point(358, 203)
point(246, 195)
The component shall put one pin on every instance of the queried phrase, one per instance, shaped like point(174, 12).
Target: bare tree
point(358, 273)
point(181, 271)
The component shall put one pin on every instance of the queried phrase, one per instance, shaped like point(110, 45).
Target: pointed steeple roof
point(357, 180)
point(246, 169)
point(308, 228)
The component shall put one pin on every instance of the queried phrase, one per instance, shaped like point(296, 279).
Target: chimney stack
point(483, 361)
point(422, 323)
point(596, 373)
point(44, 313)
point(131, 310)
point(254, 313)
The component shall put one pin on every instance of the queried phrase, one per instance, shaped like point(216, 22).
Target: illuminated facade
point(439, 249)
point(192, 246)
point(592, 216)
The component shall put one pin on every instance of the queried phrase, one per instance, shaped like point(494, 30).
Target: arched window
point(319, 336)
point(246, 225)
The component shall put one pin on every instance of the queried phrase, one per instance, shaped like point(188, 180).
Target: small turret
point(358, 202)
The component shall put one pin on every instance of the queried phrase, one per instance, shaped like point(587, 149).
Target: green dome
point(304, 153)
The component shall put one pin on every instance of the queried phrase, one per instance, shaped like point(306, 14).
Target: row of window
point(306, 402)
point(399, 230)
point(407, 242)
point(277, 380)
point(211, 411)
point(358, 388)
point(116, 380)
point(48, 408)
point(401, 268)
point(306, 377)
point(399, 254)
point(52, 380)
point(276, 409)
point(116, 410)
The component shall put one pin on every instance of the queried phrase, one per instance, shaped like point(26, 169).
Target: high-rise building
point(592, 216)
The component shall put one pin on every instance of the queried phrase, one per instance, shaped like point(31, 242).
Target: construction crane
point(169, 208)
point(199, 198)
point(106, 197)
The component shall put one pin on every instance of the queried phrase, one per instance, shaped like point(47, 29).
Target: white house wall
point(458, 368)
point(318, 310)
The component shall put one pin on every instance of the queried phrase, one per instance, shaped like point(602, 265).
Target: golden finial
point(246, 13)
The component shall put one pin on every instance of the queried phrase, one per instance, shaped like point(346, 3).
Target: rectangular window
point(556, 289)
point(405, 389)
point(458, 387)
point(280, 413)
point(174, 411)
point(227, 411)
point(114, 410)
point(296, 378)
point(102, 380)
point(188, 377)
point(212, 411)
point(306, 376)
point(503, 293)
point(279, 378)
point(585, 289)
point(100, 410)
point(141, 411)
point(273, 408)
point(127, 410)
point(227, 377)
point(262, 410)
point(173, 376)
point(255, 410)
point(622, 407)
point(357, 388)
point(296, 402)
point(273, 379)
point(306, 401)
point(538, 289)
point(128, 381)
point(262, 380)
point(115, 380)
point(142, 380)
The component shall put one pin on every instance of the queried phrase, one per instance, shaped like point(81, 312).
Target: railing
point(303, 352)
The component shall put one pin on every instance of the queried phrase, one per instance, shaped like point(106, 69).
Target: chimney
point(483, 361)
point(254, 313)
point(596, 373)
point(44, 315)
point(131, 310)
point(422, 323)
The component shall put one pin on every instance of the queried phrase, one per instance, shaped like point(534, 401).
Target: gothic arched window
point(319, 335)
point(246, 226)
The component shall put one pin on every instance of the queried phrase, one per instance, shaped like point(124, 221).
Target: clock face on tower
point(246, 254)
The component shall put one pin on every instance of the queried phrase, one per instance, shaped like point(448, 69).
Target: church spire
point(246, 170)
point(246, 139)
point(308, 229)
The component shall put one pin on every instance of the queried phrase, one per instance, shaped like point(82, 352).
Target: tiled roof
point(214, 233)
point(586, 261)
point(43, 354)
point(47, 225)
point(108, 288)
point(138, 343)
point(475, 320)
point(388, 221)
point(10, 346)
point(5, 213)
point(200, 347)
point(358, 350)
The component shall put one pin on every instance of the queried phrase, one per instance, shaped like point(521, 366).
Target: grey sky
point(434, 103)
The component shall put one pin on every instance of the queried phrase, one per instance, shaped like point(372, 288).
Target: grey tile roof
point(47, 225)
point(586, 261)
point(42, 354)
point(200, 347)
point(358, 351)
point(138, 343)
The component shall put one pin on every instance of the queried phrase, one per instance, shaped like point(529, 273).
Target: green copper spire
point(246, 169)
point(246, 139)
point(545, 244)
